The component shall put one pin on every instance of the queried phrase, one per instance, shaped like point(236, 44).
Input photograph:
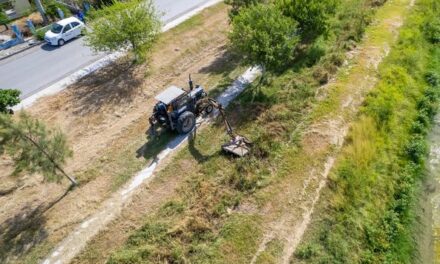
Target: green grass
point(209, 227)
point(369, 215)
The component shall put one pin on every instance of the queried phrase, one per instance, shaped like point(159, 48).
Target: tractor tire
point(209, 109)
point(186, 122)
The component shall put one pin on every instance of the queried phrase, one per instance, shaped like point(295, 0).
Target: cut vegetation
point(257, 208)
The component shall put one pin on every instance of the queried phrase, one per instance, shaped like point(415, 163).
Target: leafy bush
point(312, 15)
point(238, 5)
point(8, 98)
point(4, 19)
point(432, 29)
point(51, 7)
point(264, 36)
point(134, 23)
point(306, 252)
point(40, 32)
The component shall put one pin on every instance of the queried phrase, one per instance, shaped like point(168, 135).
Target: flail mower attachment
point(237, 145)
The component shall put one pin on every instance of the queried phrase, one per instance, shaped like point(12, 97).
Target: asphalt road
point(41, 66)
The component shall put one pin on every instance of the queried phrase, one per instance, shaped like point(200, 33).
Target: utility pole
point(41, 10)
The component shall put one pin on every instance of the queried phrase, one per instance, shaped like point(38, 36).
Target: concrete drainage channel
point(111, 208)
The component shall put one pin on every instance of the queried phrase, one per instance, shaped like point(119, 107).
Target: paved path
point(41, 66)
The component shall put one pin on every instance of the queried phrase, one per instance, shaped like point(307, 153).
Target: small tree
point(4, 19)
point(8, 98)
point(33, 147)
point(312, 15)
point(264, 36)
point(134, 24)
point(237, 5)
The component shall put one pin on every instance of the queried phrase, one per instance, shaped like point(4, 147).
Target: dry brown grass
point(104, 117)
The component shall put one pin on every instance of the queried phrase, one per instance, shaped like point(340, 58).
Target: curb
point(22, 50)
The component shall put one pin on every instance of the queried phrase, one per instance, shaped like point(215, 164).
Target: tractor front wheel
point(186, 122)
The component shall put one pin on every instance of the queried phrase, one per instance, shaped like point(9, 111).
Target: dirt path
point(100, 114)
point(325, 137)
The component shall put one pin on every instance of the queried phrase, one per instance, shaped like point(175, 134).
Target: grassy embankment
point(202, 223)
point(368, 214)
point(119, 161)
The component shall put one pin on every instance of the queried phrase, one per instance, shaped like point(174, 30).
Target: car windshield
point(56, 28)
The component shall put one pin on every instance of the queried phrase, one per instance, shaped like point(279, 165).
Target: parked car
point(63, 31)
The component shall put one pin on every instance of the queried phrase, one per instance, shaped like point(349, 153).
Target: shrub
point(433, 78)
point(416, 148)
point(238, 5)
point(8, 98)
point(51, 10)
point(312, 15)
point(134, 23)
point(432, 29)
point(264, 36)
point(306, 252)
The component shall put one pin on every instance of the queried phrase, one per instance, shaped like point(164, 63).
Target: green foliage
point(312, 15)
point(264, 36)
point(4, 19)
point(214, 225)
point(40, 33)
point(32, 146)
point(237, 5)
point(353, 17)
point(133, 24)
point(371, 211)
point(307, 251)
point(51, 7)
point(8, 98)
point(432, 29)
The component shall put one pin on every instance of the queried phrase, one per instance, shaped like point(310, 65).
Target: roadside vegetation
point(108, 135)
point(207, 221)
point(132, 24)
point(368, 214)
point(8, 98)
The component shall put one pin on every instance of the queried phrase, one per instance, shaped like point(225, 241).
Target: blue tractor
point(178, 109)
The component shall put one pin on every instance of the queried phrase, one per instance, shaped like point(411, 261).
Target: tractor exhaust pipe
point(191, 84)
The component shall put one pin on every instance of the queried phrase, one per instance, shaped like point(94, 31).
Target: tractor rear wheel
point(186, 122)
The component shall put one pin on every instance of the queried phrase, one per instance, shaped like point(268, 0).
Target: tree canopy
point(8, 98)
point(33, 147)
point(264, 36)
point(312, 15)
point(133, 24)
point(237, 5)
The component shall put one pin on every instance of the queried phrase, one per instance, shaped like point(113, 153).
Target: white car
point(63, 31)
